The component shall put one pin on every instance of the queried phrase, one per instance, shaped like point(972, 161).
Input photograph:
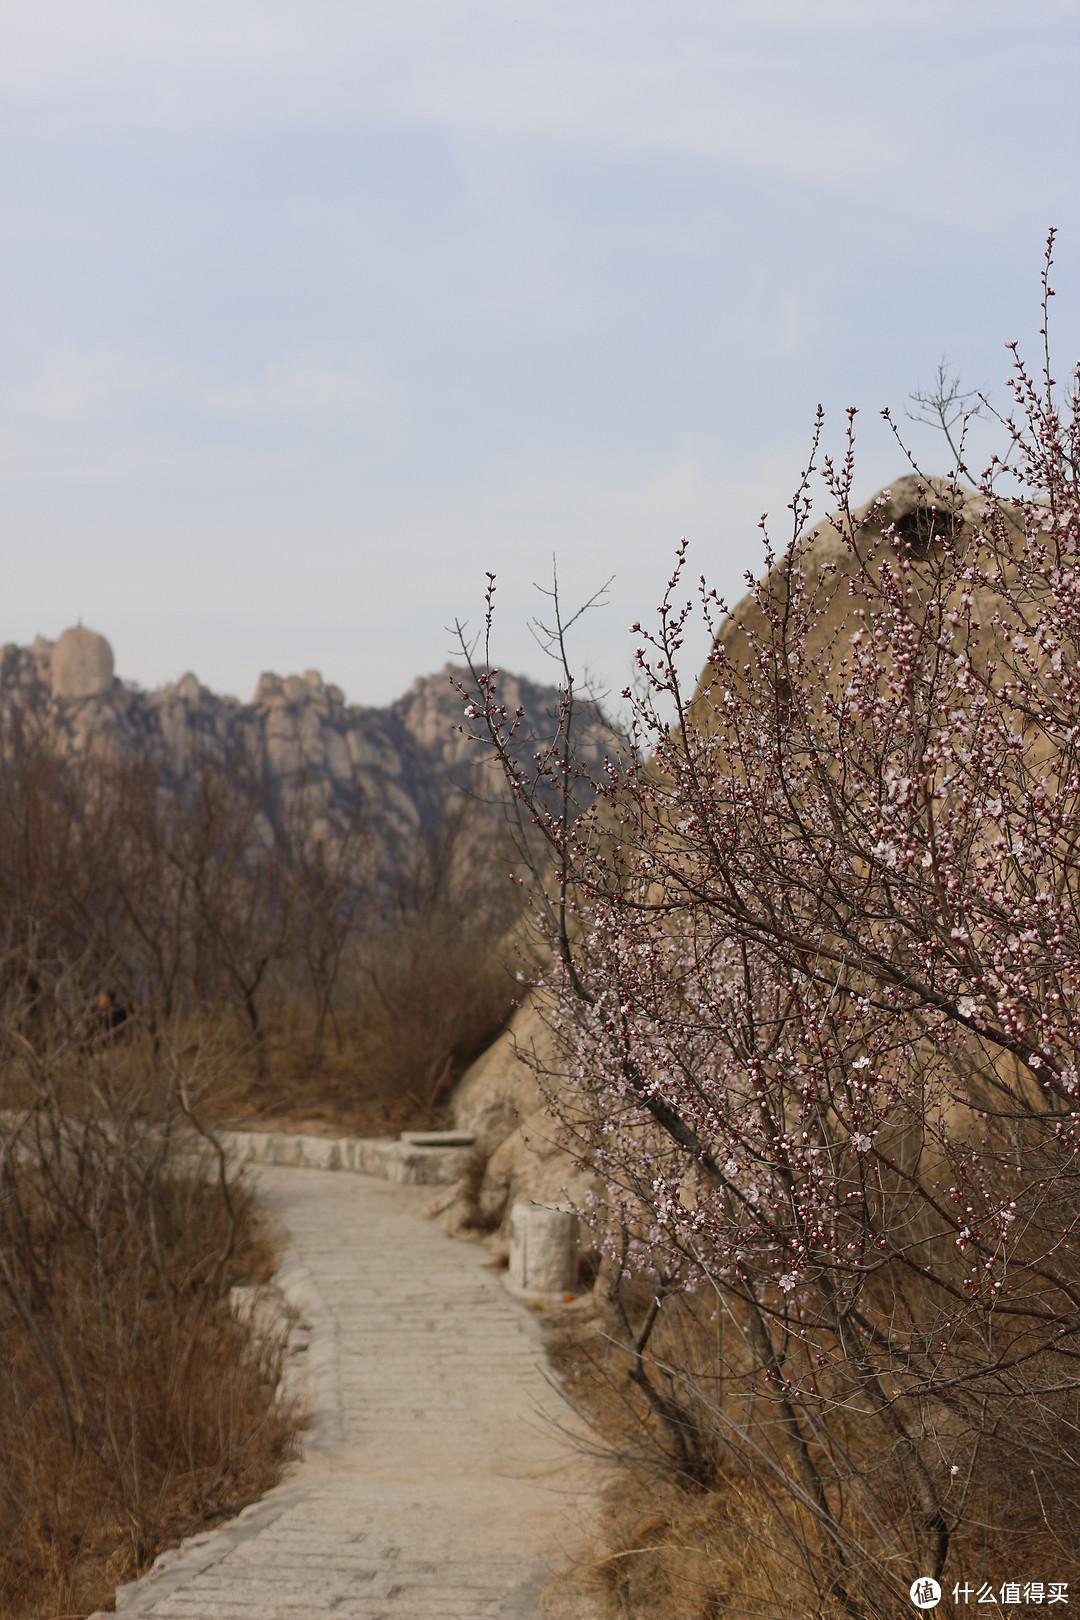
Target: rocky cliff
point(304, 742)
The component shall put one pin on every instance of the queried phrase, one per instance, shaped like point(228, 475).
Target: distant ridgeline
point(297, 743)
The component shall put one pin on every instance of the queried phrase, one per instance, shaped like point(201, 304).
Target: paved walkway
point(433, 1483)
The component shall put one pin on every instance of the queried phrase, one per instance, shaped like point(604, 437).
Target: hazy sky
point(313, 310)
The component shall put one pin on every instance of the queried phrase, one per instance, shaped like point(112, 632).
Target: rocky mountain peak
point(398, 764)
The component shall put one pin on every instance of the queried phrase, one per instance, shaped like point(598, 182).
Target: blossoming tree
point(816, 951)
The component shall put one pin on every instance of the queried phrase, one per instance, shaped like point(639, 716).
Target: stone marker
point(543, 1249)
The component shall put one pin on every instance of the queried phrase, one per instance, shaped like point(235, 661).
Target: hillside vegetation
point(193, 929)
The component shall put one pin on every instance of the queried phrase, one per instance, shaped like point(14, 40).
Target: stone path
point(435, 1482)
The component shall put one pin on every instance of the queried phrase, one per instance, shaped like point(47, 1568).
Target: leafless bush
point(133, 1409)
point(433, 991)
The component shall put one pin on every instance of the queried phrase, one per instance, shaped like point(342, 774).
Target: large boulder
point(81, 665)
point(523, 1151)
point(500, 1091)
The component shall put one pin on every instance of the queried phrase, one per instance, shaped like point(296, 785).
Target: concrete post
point(543, 1249)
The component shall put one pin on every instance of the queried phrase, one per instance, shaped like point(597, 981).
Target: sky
point(314, 311)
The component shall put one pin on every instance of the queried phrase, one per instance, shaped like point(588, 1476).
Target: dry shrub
point(133, 1409)
point(420, 991)
point(432, 992)
point(423, 999)
point(666, 1554)
point(728, 1536)
point(663, 1554)
point(437, 1000)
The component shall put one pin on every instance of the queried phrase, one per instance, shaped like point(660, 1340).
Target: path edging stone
point(391, 1158)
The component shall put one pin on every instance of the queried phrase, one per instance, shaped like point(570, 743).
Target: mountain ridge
point(305, 742)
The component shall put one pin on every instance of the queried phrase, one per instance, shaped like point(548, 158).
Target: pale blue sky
point(313, 310)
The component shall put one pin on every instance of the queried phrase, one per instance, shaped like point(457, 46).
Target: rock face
point(81, 665)
point(499, 1092)
point(298, 736)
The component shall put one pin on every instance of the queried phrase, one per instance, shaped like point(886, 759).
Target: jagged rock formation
point(305, 743)
point(81, 665)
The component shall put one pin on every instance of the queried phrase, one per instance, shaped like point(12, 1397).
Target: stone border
point(197, 1553)
point(392, 1159)
point(418, 1158)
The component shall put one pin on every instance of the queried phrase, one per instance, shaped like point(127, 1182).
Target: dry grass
point(664, 1549)
point(133, 1409)
point(413, 1018)
point(661, 1554)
